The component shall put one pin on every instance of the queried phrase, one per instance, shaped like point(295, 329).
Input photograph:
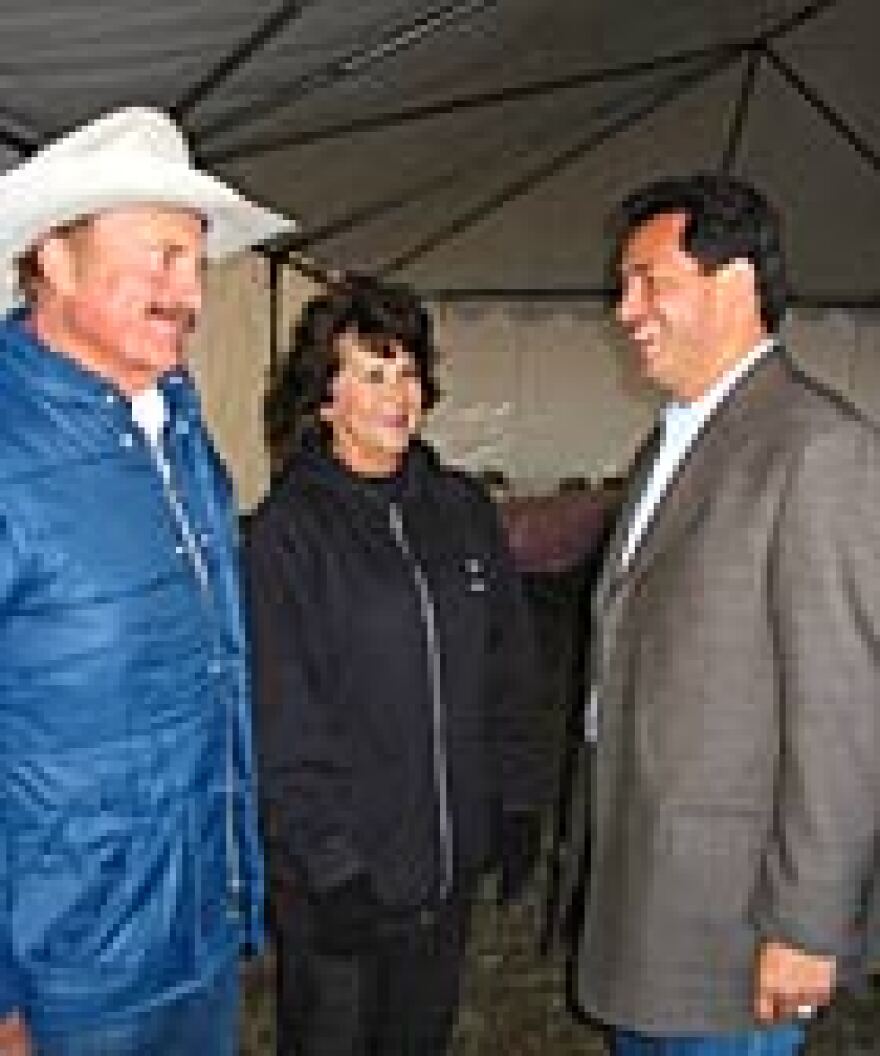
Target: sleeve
point(11, 983)
point(11, 995)
point(304, 767)
point(824, 599)
point(11, 987)
point(521, 732)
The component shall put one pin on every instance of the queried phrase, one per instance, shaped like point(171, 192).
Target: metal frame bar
point(738, 124)
point(355, 217)
point(390, 43)
point(758, 47)
point(239, 55)
point(807, 14)
point(314, 270)
point(520, 293)
point(724, 56)
point(476, 101)
point(275, 264)
point(537, 88)
point(824, 109)
point(370, 211)
point(812, 301)
point(520, 186)
point(869, 302)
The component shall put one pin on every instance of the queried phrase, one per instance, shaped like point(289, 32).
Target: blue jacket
point(129, 860)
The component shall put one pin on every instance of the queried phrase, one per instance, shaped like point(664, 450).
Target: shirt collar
point(680, 417)
point(149, 410)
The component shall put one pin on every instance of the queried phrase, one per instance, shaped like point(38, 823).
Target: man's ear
point(736, 278)
point(736, 266)
point(56, 263)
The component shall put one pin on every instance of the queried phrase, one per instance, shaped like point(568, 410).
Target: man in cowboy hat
point(129, 860)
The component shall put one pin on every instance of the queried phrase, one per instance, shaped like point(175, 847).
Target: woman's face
point(376, 403)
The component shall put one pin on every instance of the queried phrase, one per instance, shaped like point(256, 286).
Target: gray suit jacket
point(737, 659)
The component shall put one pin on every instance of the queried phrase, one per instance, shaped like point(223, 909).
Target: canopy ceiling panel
point(321, 70)
point(830, 193)
point(476, 145)
point(369, 197)
point(836, 55)
point(62, 61)
point(559, 226)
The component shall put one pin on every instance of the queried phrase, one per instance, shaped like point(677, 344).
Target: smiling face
point(376, 403)
point(688, 324)
point(121, 291)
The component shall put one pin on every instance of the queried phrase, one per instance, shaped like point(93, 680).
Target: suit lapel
point(613, 568)
point(694, 482)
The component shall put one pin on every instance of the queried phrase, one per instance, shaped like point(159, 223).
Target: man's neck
point(727, 362)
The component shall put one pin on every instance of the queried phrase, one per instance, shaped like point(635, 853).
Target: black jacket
point(395, 676)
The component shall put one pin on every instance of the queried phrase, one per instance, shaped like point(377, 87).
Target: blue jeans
point(776, 1041)
point(204, 1023)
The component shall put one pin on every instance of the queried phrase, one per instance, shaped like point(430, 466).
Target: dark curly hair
point(360, 304)
point(726, 219)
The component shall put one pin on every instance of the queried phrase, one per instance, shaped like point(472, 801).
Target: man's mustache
point(180, 314)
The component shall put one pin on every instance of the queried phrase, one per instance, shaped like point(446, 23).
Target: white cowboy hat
point(134, 156)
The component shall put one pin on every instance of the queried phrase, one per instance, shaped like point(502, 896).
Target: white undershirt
point(150, 412)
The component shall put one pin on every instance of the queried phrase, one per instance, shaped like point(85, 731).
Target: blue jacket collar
point(65, 381)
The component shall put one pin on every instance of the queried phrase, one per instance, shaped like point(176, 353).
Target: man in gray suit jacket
point(736, 659)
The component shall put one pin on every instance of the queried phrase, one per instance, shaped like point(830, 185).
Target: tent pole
point(738, 124)
point(275, 262)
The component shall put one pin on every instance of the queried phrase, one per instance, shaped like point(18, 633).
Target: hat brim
point(50, 196)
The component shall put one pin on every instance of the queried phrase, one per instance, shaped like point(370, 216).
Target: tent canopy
point(476, 147)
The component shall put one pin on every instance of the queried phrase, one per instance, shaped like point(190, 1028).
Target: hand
point(520, 849)
point(14, 1037)
point(344, 918)
point(789, 981)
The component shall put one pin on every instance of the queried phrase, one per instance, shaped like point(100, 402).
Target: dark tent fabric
point(475, 147)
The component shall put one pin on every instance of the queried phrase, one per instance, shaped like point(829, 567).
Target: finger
point(765, 1006)
point(783, 1005)
point(785, 1008)
point(818, 997)
point(824, 994)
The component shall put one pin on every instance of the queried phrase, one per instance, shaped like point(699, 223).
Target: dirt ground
point(513, 999)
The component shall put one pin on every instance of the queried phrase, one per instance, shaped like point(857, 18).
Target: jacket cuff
point(11, 988)
point(814, 930)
